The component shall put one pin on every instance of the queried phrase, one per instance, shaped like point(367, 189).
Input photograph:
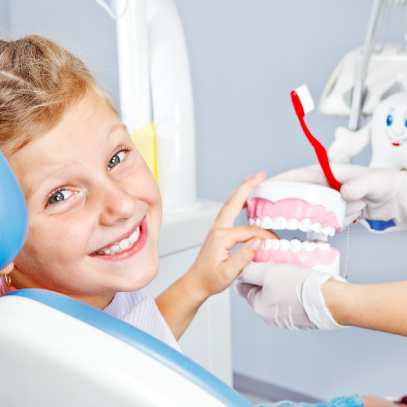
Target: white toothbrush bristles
point(305, 98)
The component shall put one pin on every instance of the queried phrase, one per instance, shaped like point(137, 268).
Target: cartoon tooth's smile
point(314, 209)
point(395, 139)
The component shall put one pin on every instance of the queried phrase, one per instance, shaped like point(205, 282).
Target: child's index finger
point(237, 200)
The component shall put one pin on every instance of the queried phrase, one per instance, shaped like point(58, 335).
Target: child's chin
point(140, 279)
point(136, 285)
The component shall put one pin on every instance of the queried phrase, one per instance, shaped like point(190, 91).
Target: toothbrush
point(303, 104)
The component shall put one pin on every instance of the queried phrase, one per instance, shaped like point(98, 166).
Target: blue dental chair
point(57, 351)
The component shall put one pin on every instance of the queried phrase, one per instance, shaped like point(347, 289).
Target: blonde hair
point(39, 81)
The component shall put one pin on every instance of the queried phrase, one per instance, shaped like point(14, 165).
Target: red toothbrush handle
point(319, 148)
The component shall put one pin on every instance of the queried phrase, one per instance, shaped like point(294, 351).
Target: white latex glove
point(287, 295)
point(371, 193)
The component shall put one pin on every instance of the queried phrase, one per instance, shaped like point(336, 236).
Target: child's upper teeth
point(123, 244)
point(134, 236)
point(115, 248)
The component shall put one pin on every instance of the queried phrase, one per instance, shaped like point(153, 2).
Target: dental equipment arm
point(371, 193)
point(215, 268)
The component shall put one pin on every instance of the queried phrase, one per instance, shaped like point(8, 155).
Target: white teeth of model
point(266, 223)
point(305, 225)
point(284, 245)
point(258, 222)
point(316, 227)
point(329, 230)
point(295, 245)
point(292, 224)
point(275, 244)
point(280, 223)
point(115, 248)
point(323, 246)
point(107, 251)
point(308, 246)
point(267, 244)
point(251, 221)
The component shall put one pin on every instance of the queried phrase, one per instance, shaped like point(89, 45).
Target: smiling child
point(94, 207)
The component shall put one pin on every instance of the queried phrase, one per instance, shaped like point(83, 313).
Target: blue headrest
point(13, 215)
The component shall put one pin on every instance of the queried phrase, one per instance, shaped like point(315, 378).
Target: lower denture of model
point(319, 255)
point(292, 214)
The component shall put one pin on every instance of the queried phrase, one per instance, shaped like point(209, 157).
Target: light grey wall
point(4, 18)
point(81, 26)
point(246, 56)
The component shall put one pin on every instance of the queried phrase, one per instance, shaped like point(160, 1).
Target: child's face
point(87, 189)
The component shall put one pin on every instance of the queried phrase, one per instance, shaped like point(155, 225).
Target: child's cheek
point(143, 187)
point(71, 242)
point(60, 241)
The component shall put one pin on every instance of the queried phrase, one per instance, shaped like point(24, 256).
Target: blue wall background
point(246, 56)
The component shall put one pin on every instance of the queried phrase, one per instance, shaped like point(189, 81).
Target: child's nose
point(117, 205)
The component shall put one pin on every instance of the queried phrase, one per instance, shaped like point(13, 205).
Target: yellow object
point(144, 140)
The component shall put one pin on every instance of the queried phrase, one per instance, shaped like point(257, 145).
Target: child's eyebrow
point(113, 129)
point(33, 188)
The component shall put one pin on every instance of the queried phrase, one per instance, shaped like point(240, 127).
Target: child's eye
point(116, 159)
point(59, 196)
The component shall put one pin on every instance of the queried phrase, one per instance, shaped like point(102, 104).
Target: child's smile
point(126, 245)
point(94, 208)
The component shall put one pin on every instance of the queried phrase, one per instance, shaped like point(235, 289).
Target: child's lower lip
point(130, 251)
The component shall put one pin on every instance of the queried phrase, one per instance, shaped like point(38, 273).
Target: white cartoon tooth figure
point(387, 131)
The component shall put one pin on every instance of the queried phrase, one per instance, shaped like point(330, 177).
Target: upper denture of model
point(292, 214)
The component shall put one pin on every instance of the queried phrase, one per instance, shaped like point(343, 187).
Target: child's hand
point(215, 268)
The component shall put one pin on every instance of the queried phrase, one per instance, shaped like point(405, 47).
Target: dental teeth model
point(319, 211)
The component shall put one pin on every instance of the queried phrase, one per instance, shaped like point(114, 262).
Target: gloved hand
point(371, 193)
point(287, 295)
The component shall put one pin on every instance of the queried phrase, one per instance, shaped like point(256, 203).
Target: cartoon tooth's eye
point(389, 120)
point(406, 123)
